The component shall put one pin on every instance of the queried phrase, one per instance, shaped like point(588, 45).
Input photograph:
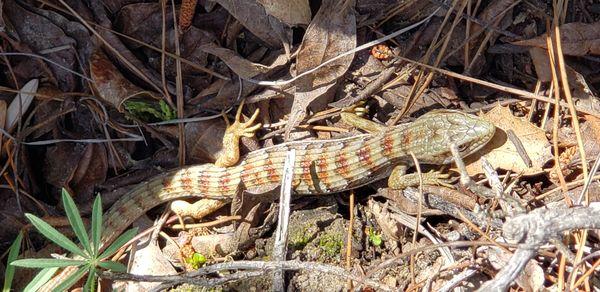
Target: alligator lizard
point(321, 166)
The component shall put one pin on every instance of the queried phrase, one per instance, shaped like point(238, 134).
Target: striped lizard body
point(321, 166)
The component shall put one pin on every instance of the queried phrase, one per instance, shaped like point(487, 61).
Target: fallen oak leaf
point(502, 153)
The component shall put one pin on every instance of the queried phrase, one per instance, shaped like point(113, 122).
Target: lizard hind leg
point(197, 210)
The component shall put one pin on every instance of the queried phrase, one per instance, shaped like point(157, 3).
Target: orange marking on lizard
point(322, 173)
point(406, 139)
point(246, 171)
point(305, 165)
point(387, 144)
point(272, 174)
point(342, 164)
point(364, 156)
point(224, 183)
point(186, 183)
point(203, 182)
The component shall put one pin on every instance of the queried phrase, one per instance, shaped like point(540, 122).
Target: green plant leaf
point(71, 280)
point(75, 220)
point(113, 266)
point(47, 263)
point(90, 283)
point(13, 253)
point(376, 240)
point(53, 234)
point(119, 242)
point(96, 224)
point(40, 279)
point(167, 112)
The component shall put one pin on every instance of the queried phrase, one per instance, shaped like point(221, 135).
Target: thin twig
point(281, 232)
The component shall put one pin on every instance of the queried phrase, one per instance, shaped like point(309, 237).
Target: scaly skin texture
point(321, 167)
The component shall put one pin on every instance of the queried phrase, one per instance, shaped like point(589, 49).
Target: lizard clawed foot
point(243, 129)
point(358, 109)
point(434, 177)
point(230, 152)
point(353, 116)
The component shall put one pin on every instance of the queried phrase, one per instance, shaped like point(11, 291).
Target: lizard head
point(445, 127)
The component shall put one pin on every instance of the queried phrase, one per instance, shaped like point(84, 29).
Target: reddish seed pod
point(381, 52)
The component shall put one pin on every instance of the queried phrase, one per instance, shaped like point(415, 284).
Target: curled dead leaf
point(110, 84)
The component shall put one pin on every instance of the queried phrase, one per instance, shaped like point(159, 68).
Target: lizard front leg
point(228, 156)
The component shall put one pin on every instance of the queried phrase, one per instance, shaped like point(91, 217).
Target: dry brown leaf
point(246, 68)
point(492, 12)
point(291, 12)
point(580, 90)
point(532, 277)
point(332, 31)
point(40, 34)
point(61, 162)
point(540, 60)
point(590, 132)
point(502, 153)
point(2, 119)
point(110, 84)
point(190, 41)
point(241, 66)
point(91, 171)
point(577, 39)
point(76, 167)
point(201, 142)
point(149, 260)
point(257, 20)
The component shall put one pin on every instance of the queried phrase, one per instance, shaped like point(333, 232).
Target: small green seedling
point(196, 260)
point(88, 259)
point(374, 237)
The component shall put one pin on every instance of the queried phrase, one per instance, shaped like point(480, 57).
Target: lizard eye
point(462, 147)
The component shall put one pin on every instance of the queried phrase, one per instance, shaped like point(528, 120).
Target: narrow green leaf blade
point(75, 220)
point(71, 280)
point(97, 223)
point(47, 263)
point(113, 266)
point(90, 283)
point(120, 241)
point(13, 253)
point(40, 279)
point(53, 234)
